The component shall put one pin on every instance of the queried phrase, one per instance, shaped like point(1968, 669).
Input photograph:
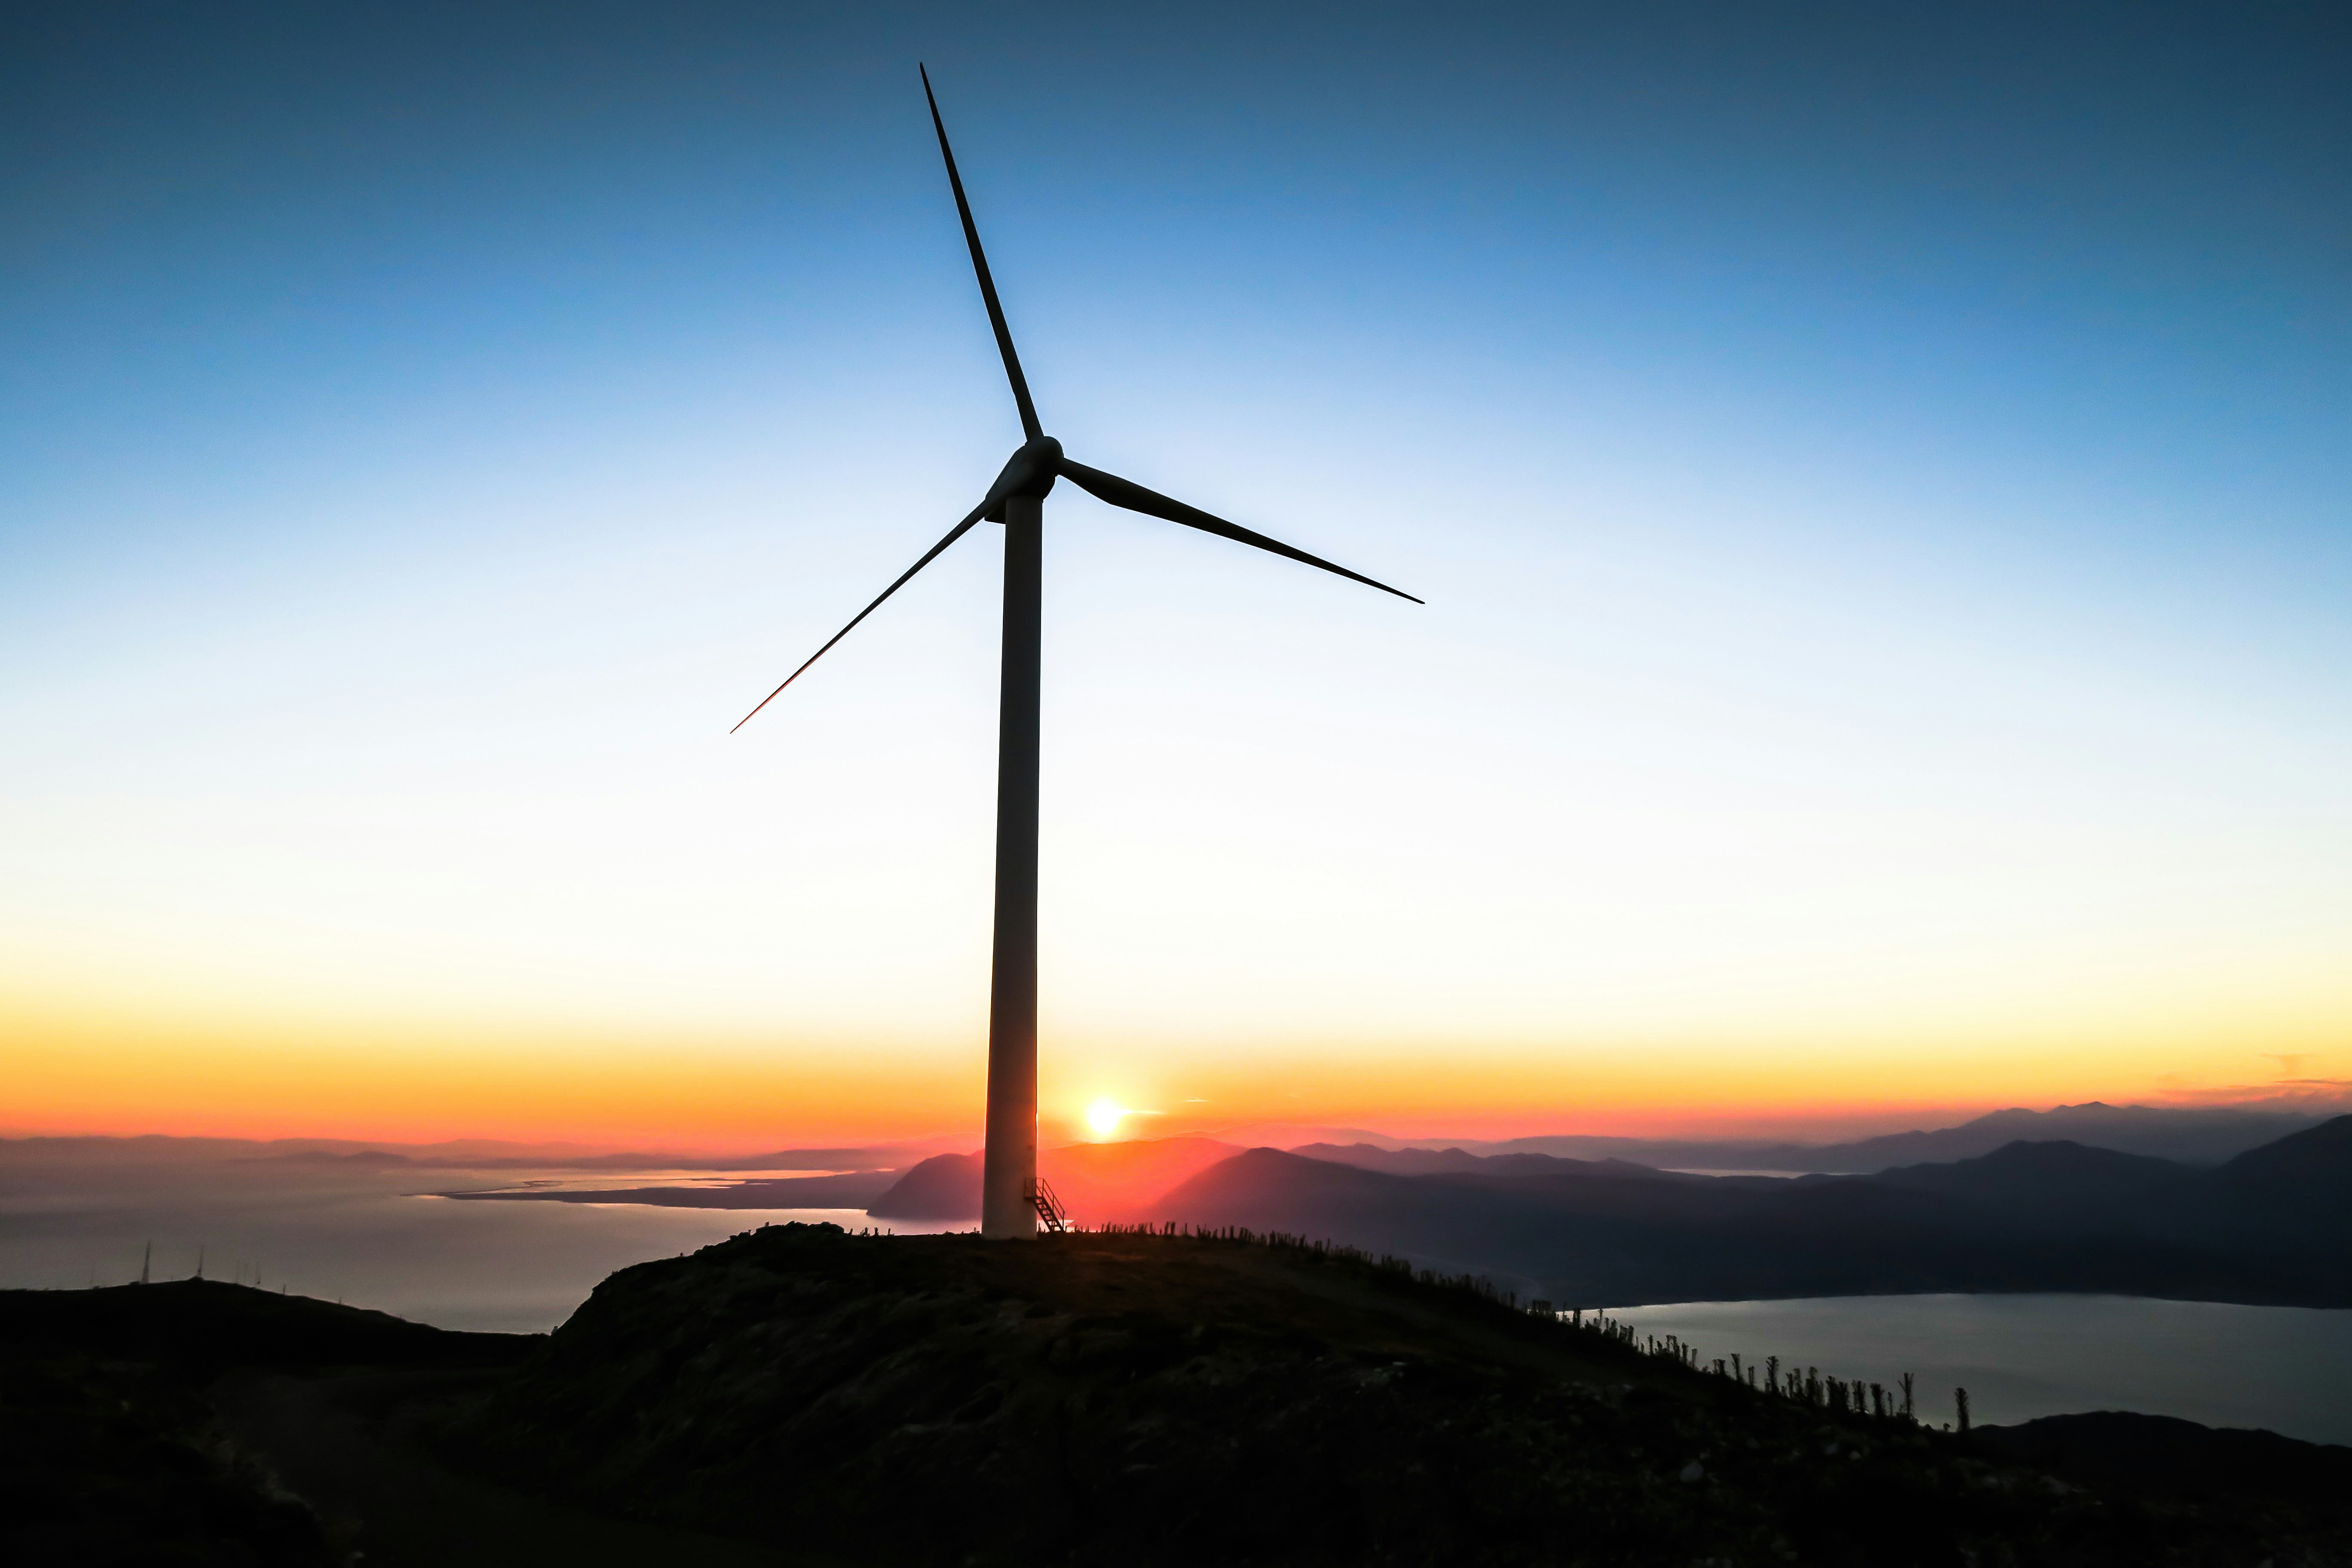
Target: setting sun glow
point(1103, 1117)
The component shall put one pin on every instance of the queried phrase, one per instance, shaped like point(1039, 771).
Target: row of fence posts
point(1842, 1395)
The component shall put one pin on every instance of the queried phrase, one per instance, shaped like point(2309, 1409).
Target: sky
point(1878, 475)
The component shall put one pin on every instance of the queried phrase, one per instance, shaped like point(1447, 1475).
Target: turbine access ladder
point(1052, 1217)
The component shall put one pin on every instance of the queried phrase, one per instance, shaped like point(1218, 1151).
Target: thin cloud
point(2303, 1094)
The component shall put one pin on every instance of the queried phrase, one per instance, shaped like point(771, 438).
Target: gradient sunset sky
point(1880, 475)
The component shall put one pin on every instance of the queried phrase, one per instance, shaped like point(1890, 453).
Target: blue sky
point(1878, 474)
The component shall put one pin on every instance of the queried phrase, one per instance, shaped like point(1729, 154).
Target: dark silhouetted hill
point(201, 1325)
point(2029, 1216)
point(2193, 1136)
point(2161, 1456)
point(1152, 1401)
point(2059, 1180)
point(2299, 1186)
point(945, 1186)
point(199, 1425)
point(113, 1453)
point(1096, 1182)
point(1122, 1181)
point(1457, 1162)
point(1398, 1161)
point(2189, 1136)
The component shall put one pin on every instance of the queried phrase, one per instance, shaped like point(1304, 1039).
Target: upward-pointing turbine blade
point(1152, 503)
point(1029, 425)
point(954, 534)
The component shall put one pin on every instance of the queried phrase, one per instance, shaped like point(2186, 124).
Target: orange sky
point(123, 1069)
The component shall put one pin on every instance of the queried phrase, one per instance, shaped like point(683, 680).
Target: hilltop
point(199, 1326)
point(1148, 1399)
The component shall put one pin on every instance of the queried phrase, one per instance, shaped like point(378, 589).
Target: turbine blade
point(1029, 425)
point(954, 534)
point(1152, 503)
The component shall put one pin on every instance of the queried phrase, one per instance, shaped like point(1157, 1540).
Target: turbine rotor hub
point(1031, 471)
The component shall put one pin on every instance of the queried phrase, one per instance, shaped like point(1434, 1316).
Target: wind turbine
point(1009, 1168)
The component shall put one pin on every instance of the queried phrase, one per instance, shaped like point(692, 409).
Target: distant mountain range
point(2272, 1224)
point(1089, 1176)
point(2200, 1136)
point(1094, 1181)
point(947, 1187)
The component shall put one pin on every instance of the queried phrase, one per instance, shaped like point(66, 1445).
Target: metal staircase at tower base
point(1051, 1217)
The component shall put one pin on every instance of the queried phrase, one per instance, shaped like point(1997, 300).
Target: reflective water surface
point(365, 1238)
point(2285, 1368)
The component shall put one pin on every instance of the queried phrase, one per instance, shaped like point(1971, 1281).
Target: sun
point(1104, 1116)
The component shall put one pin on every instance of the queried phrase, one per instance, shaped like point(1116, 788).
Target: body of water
point(517, 1268)
point(2285, 1368)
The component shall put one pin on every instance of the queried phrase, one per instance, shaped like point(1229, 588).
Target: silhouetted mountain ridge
point(2163, 1456)
point(2060, 1171)
point(1098, 1182)
point(1459, 1161)
point(2027, 1216)
point(2202, 1135)
point(945, 1186)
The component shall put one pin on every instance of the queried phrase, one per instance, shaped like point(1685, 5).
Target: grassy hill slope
point(1148, 1399)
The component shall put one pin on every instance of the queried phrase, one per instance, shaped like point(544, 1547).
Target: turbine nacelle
point(1031, 471)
